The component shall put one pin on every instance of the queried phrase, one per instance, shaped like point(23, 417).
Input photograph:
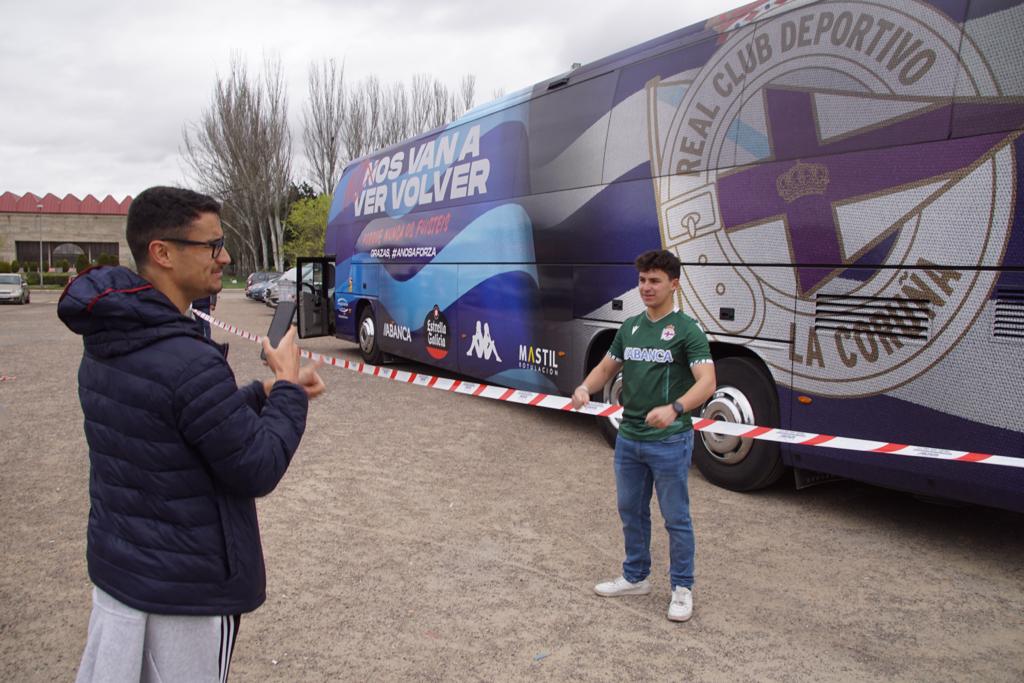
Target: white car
point(13, 289)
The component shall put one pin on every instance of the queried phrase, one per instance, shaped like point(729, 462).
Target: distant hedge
point(55, 279)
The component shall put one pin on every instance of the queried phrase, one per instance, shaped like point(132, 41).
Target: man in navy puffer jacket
point(178, 452)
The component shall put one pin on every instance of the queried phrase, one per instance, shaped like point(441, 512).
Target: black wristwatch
point(678, 407)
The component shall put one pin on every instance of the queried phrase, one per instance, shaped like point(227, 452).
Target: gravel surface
point(428, 536)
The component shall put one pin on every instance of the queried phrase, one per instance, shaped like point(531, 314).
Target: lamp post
point(39, 224)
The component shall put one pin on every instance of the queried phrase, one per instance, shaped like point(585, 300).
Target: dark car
point(258, 281)
point(13, 289)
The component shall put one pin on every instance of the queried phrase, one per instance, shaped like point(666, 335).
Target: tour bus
point(841, 181)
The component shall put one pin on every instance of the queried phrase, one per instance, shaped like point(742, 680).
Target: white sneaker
point(681, 607)
point(619, 586)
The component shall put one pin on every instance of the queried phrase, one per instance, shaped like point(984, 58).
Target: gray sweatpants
point(125, 645)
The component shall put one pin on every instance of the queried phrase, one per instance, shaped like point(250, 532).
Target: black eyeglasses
point(216, 246)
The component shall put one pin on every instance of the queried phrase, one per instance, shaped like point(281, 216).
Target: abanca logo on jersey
point(648, 355)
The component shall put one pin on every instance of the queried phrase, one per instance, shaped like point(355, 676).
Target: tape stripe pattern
point(744, 431)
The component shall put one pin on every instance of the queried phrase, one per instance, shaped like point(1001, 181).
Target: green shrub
point(63, 265)
point(5, 267)
point(55, 279)
point(15, 266)
point(81, 263)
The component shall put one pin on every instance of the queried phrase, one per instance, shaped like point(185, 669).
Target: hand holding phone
point(284, 316)
point(284, 358)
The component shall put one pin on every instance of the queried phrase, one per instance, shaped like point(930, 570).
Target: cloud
point(96, 94)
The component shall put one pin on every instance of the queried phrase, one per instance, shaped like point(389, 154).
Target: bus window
point(567, 132)
point(992, 52)
point(647, 96)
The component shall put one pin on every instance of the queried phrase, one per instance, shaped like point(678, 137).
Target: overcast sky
point(95, 94)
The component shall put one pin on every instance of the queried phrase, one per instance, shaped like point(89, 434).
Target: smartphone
point(284, 317)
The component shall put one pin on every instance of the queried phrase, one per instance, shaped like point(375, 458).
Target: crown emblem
point(802, 179)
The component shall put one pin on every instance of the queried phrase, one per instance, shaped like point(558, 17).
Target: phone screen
point(284, 316)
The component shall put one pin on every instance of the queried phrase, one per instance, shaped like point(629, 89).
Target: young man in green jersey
point(667, 372)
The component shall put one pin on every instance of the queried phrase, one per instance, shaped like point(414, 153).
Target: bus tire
point(369, 339)
point(613, 395)
point(746, 395)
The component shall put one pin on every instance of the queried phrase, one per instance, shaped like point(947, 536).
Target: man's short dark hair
point(163, 212)
point(659, 259)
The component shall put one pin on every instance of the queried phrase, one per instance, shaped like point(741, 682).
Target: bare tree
point(467, 92)
point(379, 115)
point(324, 119)
point(240, 152)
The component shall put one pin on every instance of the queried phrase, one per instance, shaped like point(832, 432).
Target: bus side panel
point(606, 293)
point(918, 387)
point(406, 318)
point(979, 483)
point(511, 332)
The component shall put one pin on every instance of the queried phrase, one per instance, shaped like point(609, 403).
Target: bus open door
point(315, 296)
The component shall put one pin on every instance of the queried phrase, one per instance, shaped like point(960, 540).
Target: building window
point(68, 252)
point(28, 251)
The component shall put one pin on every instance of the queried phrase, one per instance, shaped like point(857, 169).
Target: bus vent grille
point(884, 316)
point(1009, 320)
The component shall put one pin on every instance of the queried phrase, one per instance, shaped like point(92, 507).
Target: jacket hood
point(117, 311)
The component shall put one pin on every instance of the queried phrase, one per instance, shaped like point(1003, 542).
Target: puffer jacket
point(177, 451)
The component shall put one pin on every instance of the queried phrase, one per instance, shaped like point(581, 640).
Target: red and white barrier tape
point(540, 400)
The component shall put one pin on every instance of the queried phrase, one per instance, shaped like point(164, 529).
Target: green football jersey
point(656, 359)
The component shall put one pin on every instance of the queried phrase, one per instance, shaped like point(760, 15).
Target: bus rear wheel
point(369, 342)
point(745, 395)
point(612, 395)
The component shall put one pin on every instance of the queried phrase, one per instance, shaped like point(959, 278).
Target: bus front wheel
point(369, 342)
point(745, 395)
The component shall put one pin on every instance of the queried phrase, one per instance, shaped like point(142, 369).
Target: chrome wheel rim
point(728, 404)
point(366, 335)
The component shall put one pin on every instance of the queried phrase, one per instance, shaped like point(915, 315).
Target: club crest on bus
point(809, 115)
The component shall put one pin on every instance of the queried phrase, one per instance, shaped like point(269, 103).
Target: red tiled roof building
point(64, 228)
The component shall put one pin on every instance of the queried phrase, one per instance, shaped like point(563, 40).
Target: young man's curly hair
point(659, 259)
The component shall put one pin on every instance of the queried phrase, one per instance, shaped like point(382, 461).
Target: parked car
point(263, 277)
point(283, 289)
point(257, 291)
point(14, 289)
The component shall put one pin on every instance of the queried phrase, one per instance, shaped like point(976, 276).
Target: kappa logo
point(806, 111)
point(482, 346)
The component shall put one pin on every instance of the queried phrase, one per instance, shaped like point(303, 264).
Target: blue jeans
point(640, 467)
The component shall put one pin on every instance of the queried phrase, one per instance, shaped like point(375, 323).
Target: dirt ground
point(428, 536)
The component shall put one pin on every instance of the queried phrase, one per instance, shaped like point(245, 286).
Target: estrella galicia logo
point(438, 334)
